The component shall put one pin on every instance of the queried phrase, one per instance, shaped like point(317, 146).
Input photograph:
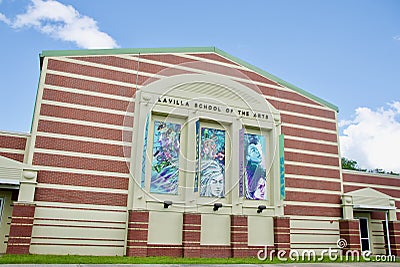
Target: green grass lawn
point(73, 259)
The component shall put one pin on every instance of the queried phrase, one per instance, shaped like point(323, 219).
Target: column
point(394, 234)
point(191, 235)
point(282, 234)
point(138, 224)
point(19, 240)
point(350, 231)
point(239, 236)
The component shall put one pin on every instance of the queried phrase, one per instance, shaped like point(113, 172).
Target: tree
point(350, 164)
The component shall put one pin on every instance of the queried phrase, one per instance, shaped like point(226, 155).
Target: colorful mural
point(212, 163)
point(255, 172)
point(165, 164)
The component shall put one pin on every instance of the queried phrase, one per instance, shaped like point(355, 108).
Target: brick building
point(186, 152)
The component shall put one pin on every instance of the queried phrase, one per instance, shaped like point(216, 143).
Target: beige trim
point(80, 155)
point(314, 178)
point(87, 108)
point(80, 206)
point(313, 204)
point(310, 140)
point(90, 78)
point(298, 126)
point(107, 67)
point(85, 139)
point(311, 152)
point(89, 93)
point(12, 151)
point(82, 171)
point(304, 164)
point(307, 116)
point(86, 123)
point(82, 188)
point(308, 190)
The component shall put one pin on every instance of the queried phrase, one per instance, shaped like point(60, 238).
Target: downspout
point(387, 233)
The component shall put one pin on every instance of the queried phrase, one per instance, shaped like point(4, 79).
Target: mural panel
point(212, 163)
point(255, 172)
point(165, 164)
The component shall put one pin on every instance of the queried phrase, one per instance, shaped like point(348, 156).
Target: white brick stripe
point(93, 79)
point(312, 165)
point(323, 142)
point(12, 151)
point(86, 123)
point(82, 188)
point(89, 93)
point(311, 152)
point(87, 108)
point(84, 139)
point(80, 155)
point(82, 171)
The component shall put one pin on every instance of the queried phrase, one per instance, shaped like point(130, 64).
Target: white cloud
point(397, 37)
point(4, 19)
point(373, 138)
point(62, 22)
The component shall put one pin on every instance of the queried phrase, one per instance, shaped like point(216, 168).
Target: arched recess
point(206, 99)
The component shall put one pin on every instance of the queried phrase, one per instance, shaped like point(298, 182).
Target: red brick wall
point(394, 234)
point(138, 224)
point(282, 234)
point(58, 119)
point(21, 229)
point(350, 231)
point(14, 142)
point(191, 235)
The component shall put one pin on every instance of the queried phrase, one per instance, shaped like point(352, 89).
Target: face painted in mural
point(212, 178)
point(165, 164)
point(255, 174)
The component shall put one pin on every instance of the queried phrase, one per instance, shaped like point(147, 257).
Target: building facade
point(185, 152)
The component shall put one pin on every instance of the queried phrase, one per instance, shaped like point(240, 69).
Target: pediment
point(368, 192)
point(368, 198)
point(10, 163)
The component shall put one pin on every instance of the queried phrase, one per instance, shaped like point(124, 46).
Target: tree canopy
point(349, 164)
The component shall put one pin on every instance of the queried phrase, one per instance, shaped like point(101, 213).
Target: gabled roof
point(368, 192)
point(119, 51)
point(369, 198)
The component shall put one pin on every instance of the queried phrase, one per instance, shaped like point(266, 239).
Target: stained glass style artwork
point(255, 171)
point(165, 163)
point(212, 162)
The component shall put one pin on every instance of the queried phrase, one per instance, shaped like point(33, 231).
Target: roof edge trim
point(117, 51)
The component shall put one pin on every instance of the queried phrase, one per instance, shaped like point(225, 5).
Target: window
point(162, 156)
point(165, 162)
point(255, 173)
point(212, 162)
point(364, 234)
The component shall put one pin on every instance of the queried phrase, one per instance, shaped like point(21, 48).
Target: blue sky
point(344, 51)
